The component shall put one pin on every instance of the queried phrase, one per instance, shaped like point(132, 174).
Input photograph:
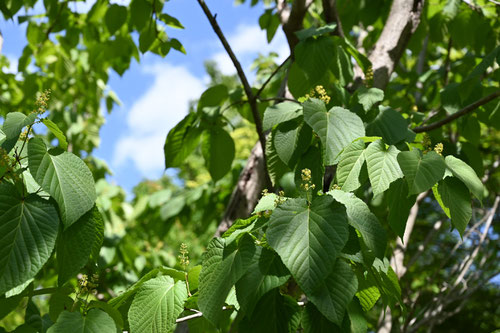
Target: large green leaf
point(308, 238)
point(28, 232)
point(125, 297)
point(275, 166)
point(368, 97)
point(421, 171)
point(54, 129)
point(361, 218)
point(265, 273)
point(13, 126)
point(213, 96)
point(65, 177)
point(218, 151)
point(314, 55)
point(311, 160)
point(349, 167)
point(450, 98)
point(115, 17)
point(181, 141)
point(157, 305)
point(391, 126)
point(383, 167)
point(291, 139)
point(222, 268)
point(399, 204)
point(336, 128)
point(96, 321)
point(275, 313)
point(387, 282)
point(456, 199)
point(466, 174)
point(281, 112)
point(76, 243)
point(336, 292)
point(3, 137)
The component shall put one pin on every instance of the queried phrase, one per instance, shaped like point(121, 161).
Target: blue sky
point(156, 92)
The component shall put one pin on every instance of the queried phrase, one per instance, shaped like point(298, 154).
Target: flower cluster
point(41, 101)
point(369, 77)
point(184, 256)
point(320, 93)
point(88, 286)
point(439, 148)
point(306, 180)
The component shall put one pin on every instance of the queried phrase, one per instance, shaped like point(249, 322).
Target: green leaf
point(275, 313)
point(357, 317)
point(368, 97)
point(341, 66)
point(115, 17)
point(466, 174)
point(13, 126)
point(28, 229)
point(171, 21)
point(140, 13)
point(314, 55)
point(264, 274)
point(147, 38)
point(121, 300)
point(335, 292)
point(218, 151)
point(450, 98)
point(59, 301)
point(399, 203)
point(96, 321)
point(57, 133)
point(421, 171)
point(383, 167)
point(275, 166)
point(368, 293)
point(349, 168)
point(157, 305)
point(65, 177)
point(269, 22)
point(313, 32)
point(267, 202)
point(336, 128)
point(291, 140)
point(311, 160)
point(281, 112)
point(111, 311)
point(456, 199)
point(308, 238)
point(313, 321)
point(213, 96)
point(76, 243)
point(387, 282)
point(181, 141)
point(361, 218)
point(391, 126)
point(222, 268)
point(7, 305)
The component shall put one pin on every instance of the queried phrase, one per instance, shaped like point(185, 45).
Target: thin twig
point(271, 76)
point(278, 99)
point(464, 111)
point(241, 74)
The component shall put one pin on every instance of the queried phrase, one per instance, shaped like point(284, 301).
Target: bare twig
point(241, 74)
point(464, 111)
point(257, 95)
point(332, 15)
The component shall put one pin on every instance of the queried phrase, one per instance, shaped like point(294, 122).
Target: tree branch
point(402, 22)
point(332, 15)
point(463, 112)
point(241, 74)
point(292, 19)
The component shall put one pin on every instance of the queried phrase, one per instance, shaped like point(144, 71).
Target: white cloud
point(247, 42)
point(163, 105)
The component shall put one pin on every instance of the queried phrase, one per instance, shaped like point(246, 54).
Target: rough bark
point(247, 192)
point(402, 22)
